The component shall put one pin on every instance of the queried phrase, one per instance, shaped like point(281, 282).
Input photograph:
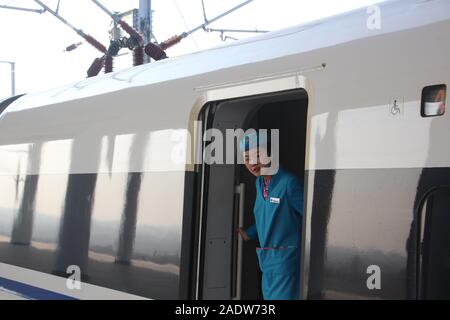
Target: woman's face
point(254, 162)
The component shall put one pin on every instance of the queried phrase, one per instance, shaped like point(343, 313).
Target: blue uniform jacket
point(278, 223)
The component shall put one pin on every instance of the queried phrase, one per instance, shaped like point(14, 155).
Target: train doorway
point(227, 266)
point(434, 247)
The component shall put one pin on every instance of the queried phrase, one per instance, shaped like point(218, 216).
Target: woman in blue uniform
point(278, 215)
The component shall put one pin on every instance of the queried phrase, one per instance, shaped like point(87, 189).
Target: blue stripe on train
point(31, 292)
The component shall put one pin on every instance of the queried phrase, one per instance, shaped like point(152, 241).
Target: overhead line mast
point(135, 42)
point(138, 43)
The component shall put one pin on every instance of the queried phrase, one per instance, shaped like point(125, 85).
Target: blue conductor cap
point(252, 140)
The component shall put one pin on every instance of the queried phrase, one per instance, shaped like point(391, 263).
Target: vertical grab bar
point(240, 190)
point(420, 249)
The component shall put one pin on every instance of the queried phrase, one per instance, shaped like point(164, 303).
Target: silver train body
point(87, 176)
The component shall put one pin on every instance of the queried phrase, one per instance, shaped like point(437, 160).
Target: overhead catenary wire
point(9, 2)
point(176, 39)
point(204, 11)
point(222, 31)
point(91, 40)
point(203, 25)
point(8, 6)
point(185, 22)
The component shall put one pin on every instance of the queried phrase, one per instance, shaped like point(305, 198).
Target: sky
point(36, 42)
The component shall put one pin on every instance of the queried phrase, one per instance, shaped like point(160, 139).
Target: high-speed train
point(93, 205)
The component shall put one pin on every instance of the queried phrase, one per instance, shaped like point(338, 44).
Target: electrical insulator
point(125, 26)
point(138, 56)
point(132, 43)
point(108, 63)
point(73, 46)
point(114, 48)
point(170, 42)
point(95, 67)
point(95, 43)
point(154, 51)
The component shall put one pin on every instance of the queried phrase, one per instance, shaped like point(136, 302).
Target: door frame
point(421, 225)
point(194, 215)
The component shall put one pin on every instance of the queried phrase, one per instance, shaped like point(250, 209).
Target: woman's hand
point(243, 234)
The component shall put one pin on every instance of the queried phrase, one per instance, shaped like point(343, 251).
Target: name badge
point(274, 200)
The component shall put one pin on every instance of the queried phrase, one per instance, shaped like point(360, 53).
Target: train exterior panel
point(91, 176)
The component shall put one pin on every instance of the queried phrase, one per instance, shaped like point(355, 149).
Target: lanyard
point(266, 187)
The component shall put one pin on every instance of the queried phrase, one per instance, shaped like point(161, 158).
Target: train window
point(434, 100)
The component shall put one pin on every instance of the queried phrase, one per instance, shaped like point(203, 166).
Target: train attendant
point(278, 213)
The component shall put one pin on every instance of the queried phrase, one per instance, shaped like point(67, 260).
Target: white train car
point(103, 178)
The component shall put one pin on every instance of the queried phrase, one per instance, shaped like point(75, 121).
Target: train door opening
point(434, 250)
point(227, 266)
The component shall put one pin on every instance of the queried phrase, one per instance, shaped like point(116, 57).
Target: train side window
point(434, 100)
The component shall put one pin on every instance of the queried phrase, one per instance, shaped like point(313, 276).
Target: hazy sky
point(36, 41)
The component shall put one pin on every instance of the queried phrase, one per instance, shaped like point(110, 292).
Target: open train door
point(227, 267)
point(434, 247)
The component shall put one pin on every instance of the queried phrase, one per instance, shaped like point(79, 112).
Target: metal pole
point(237, 30)
point(109, 13)
point(13, 76)
point(13, 79)
point(145, 22)
point(40, 11)
point(145, 19)
point(240, 189)
point(218, 17)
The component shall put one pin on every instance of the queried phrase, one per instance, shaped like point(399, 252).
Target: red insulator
point(125, 26)
point(138, 56)
point(73, 46)
point(170, 42)
point(108, 63)
point(154, 51)
point(96, 44)
point(95, 67)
